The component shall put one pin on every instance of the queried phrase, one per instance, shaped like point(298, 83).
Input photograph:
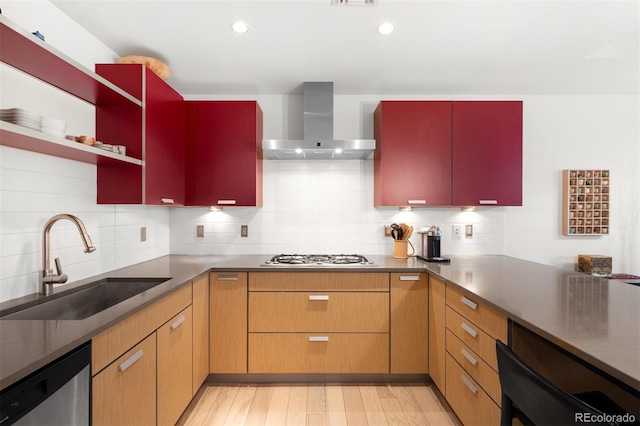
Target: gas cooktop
point(318, 260)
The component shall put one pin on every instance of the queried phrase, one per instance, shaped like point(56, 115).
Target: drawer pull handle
point(469, 330)
point(128, 363)
point(409, 277)
point(227, 278)
point(178, 322)
point(318, 297)
point(488, 201)
point(473, 305)
point(468, 383)
point(167, 201)
point(468, 356)
point(227, 202)
point(416, 201)
point(318, 338)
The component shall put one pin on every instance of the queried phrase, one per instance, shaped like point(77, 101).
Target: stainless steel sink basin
point(96, 297)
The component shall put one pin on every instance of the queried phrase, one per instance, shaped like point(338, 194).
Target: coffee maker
point(430, 245)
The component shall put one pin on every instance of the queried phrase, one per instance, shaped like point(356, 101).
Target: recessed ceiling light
point(386, 28)
point(240, 27)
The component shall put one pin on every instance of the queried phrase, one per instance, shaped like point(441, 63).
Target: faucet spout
point(47, 277)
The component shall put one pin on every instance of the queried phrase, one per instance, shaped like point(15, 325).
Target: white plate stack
point(21, 117)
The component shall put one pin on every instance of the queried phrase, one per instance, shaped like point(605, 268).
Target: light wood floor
point(317, 404)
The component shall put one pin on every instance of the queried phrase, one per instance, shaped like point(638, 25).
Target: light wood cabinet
point(318, 312)
point(437, 351)
point(409, 324)
point(309, 322)
point(125, 391)
point(228, 322)
point(142, 371)
point(175, 361)
point(472, 382)
point(318, 353)
point(200, 307)
point(470, 402)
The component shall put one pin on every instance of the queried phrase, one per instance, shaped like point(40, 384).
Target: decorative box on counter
point(595, 264)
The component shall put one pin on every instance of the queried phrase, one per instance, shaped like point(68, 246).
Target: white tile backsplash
point(35, 187)
point(323, 207)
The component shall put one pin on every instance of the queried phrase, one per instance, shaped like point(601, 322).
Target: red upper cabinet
point(487, 153)
point(412, 160)
point(224, 153)
point(155, 134)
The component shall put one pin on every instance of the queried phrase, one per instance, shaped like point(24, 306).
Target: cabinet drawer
point(114, 341)
point(475, 366)
point(489, 320)
point(476, 339)
point(318, 312)
point(470, 403)
point(126, 390)
point(313, 281)
point(318, 353)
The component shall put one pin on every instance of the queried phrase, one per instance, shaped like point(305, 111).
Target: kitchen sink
point(94, 298)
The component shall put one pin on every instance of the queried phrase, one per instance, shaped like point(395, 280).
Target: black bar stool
point(536, 401)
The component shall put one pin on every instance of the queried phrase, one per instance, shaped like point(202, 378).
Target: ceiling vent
point(354, 2)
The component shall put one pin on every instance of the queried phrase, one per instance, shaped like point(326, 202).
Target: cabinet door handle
point(167, 201)
point(178, 322)
point(409, 277)
point(318, 297)
point(468, 383)
point(469, 330)
point(473, 305)
point(227, 202)
point(488, 202)
point(468, 356)
point(227, 277)
point(318, 338)
point(132, 359)
point(416, 201)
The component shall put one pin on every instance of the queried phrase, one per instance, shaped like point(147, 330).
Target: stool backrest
point(535, 400)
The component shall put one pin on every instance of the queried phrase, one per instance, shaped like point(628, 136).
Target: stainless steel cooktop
point(318, 260)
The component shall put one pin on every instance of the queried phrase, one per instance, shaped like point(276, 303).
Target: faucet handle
point(58, 265)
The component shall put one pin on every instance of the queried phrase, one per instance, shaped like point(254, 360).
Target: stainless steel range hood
point(318, 142)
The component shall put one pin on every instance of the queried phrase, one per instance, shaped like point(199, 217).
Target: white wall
point(35, 187)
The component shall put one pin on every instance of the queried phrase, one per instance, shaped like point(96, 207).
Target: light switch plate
point(200, 231)
point(143, 233)
point(468, 231)
point(244, 230)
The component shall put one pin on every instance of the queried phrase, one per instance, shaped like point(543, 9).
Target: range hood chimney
point(318, 142)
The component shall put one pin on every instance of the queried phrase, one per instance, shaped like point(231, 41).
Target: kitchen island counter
point(595, 319)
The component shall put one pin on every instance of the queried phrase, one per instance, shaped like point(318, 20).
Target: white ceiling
point(439, 47)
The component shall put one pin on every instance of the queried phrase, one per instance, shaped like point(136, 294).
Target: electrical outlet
point(457, 231)
point(143, 233)
point(200, 231)
point(468, 231)
point(244, 230)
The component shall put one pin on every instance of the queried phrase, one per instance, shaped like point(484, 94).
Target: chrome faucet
point(47, 277)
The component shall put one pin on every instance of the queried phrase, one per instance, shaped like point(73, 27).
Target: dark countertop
point(550, 301)
point(596, 319)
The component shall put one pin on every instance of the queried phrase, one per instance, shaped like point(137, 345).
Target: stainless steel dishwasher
point(57, 394)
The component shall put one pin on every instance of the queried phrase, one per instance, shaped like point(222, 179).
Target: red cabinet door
point(412, 160)
point(224, 153)
point(164, 149)
point(487, 153)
